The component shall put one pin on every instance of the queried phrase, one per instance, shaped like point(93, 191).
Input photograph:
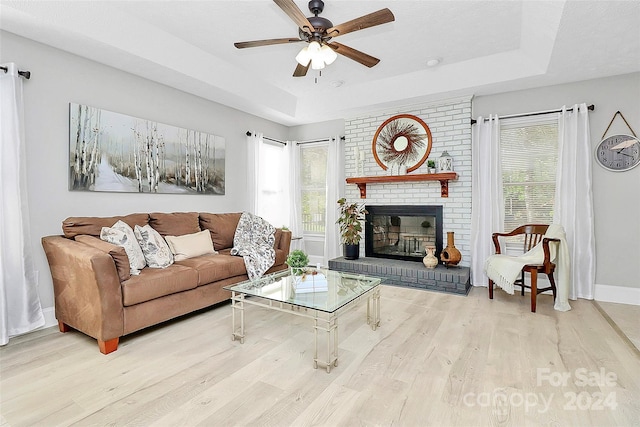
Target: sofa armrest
point(87, 291)
point(285, 241)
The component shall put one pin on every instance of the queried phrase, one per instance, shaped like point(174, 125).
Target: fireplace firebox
point(403, 231)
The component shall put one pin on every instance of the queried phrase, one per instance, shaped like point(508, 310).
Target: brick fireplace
point(450, 125)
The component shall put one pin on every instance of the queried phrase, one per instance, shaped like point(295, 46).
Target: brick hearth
point(408, 273)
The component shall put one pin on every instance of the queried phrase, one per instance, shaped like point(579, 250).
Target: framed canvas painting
point(114, 152)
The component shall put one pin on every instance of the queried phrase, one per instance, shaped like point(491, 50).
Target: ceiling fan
point(318, 33)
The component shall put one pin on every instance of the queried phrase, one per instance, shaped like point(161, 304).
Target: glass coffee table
point(319, 294)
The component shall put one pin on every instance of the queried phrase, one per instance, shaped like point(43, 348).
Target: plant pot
point(351, 251)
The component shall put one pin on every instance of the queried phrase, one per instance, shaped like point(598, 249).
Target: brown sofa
point(95, 294)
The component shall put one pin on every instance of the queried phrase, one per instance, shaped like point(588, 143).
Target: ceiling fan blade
point(256, 43)
point(382, 16)
point(354, 54)
point(301, 70)
point(294, 12)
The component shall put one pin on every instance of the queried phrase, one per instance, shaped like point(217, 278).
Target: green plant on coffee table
point(349, 221)
point(297, 260)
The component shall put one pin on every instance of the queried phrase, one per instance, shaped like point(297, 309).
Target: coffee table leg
point(373, 310)
point(331, 330)
point(237, 303)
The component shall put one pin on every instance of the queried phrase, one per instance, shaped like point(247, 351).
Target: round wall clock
point(618, 152)
point(402, 140)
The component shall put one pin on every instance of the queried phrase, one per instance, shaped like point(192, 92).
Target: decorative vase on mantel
point(450, 256)
point(430, 261)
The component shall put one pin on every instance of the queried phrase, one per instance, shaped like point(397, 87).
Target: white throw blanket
point(253, 241)
point(505, 269)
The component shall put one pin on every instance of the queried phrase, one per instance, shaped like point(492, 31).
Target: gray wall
point(616, 195)
point(59, 78)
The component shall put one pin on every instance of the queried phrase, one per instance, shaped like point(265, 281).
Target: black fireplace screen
point(403, 231)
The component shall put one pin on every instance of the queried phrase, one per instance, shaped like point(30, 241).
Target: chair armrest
point(545, 247)
point(87, 291)
point(496, 241)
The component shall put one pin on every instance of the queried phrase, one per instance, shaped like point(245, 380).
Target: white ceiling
point(484, 46)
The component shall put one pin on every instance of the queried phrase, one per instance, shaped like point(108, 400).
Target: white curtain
point(335, 190)
point(487, 203)
point(294, 191)
point(574, 198)
point(254, 142)
point(20, 309)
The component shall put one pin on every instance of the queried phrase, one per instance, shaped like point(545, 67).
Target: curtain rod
point(25, 74)
point(536, 113)
point(300, 142)
point(270, 139)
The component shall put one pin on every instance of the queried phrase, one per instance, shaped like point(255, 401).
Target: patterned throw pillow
point(122, 235)
point(155, 249)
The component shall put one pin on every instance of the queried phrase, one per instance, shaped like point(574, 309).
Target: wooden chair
point(533, 234)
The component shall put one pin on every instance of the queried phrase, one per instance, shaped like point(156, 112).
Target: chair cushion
point(222, 227)
point(175, 224)
point(212, 268)
point(155, 283)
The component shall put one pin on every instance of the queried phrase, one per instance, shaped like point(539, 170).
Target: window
point(273, 204)
point(313, 171)
point(529, 151)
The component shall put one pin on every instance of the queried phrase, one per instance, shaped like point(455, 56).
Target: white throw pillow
point(122, 235)
point(155, 249)
point(190, 245)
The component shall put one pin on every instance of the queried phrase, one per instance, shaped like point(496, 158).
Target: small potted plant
point(350, 227)
point(431, 165)
point(297, 261)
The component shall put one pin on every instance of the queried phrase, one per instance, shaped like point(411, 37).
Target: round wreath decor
point(404, 140)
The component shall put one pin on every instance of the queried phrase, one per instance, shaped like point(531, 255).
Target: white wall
point(616, 194)
point(59, 78)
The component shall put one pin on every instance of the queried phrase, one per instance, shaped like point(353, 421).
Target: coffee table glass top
point(318, 289)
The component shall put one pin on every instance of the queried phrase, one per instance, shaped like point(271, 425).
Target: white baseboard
point(618, 294)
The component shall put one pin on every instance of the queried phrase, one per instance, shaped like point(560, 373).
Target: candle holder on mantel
point(450, 256)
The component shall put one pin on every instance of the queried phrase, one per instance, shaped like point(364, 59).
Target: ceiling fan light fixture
point(328, 54)
point(303, 57)
point(317, 63)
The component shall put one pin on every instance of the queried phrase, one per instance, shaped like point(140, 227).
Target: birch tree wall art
point(114, 152)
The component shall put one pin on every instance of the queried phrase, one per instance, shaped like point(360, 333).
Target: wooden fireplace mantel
point(444, 178)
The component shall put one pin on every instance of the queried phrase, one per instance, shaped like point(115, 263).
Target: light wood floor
point(437, 359)
point(625, 318)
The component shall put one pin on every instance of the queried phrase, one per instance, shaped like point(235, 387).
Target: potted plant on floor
point(350, 227)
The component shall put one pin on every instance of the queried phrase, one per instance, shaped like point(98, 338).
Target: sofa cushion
point(281, 257)
point(156, 251)
point(155, 283)
point(278, 236)
point(118, 254)
point(190, 245)
point(212, 268)
point(92, 225)
point(122, 235)
point(222, 227)
point(175, 224)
